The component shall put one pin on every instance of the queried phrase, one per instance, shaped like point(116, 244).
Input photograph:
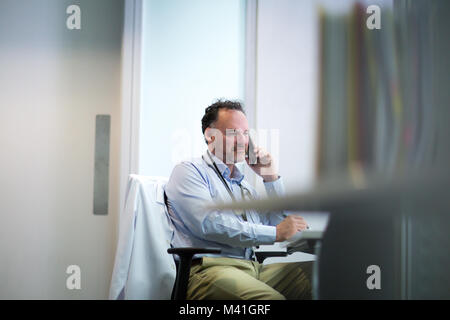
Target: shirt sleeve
point(189, 192)
point(274, 189)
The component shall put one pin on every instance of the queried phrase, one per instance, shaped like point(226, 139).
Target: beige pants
point(227, 278)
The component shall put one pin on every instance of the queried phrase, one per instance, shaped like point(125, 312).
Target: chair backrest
point(143, 269)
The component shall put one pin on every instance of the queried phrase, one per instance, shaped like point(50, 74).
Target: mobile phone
point(250, 153)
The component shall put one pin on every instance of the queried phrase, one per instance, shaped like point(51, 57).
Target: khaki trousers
point(231, 279)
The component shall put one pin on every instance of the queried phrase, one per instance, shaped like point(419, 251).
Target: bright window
point(193, 53)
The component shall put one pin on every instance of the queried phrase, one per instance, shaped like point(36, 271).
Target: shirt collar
point(224, 170)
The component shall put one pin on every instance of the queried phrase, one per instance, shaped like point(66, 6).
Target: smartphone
point(250, 154)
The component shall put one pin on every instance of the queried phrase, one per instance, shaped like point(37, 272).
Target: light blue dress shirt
point(193, 185)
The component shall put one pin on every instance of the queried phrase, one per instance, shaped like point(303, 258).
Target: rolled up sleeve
point(274, 189)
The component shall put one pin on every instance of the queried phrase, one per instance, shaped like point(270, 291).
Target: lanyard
point(244, 214)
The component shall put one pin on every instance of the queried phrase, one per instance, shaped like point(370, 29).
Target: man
point(215, 178)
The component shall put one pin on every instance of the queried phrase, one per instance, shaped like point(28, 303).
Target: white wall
point(53, 83)
point(286, 84)
point(193, 53)
point(191, 56)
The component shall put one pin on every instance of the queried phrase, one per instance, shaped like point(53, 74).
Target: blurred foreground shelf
point(330, 195)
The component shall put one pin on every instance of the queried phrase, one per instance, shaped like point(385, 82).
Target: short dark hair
point(212, 112)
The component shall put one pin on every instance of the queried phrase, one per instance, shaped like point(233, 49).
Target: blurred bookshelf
point(384, 94)
point(384, 111)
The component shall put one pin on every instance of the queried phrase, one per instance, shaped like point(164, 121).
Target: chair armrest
point(186, 254)
point(192, 251)
point(261, 255)
point(306, 246)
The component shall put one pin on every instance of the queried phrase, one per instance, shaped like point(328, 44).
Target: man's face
point(233, 126)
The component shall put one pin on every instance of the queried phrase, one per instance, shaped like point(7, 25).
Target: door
point(55, 80)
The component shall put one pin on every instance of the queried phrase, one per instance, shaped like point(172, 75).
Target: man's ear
point(208, 136)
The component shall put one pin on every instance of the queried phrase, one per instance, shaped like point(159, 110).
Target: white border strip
point(251, 32)
point(131, 82)
point(250, 60)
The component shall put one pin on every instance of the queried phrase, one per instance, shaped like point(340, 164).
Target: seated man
point(215, 178)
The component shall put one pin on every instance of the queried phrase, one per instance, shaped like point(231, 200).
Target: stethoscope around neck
point(227, 187)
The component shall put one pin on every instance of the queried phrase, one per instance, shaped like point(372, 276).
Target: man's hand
point(289, 226)
point(265, 166)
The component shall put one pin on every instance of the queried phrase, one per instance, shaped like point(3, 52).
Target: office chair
point(184, 265)
point(145, 234)
point(185, 259)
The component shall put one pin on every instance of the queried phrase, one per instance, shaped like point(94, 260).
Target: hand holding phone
point(261, 162)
